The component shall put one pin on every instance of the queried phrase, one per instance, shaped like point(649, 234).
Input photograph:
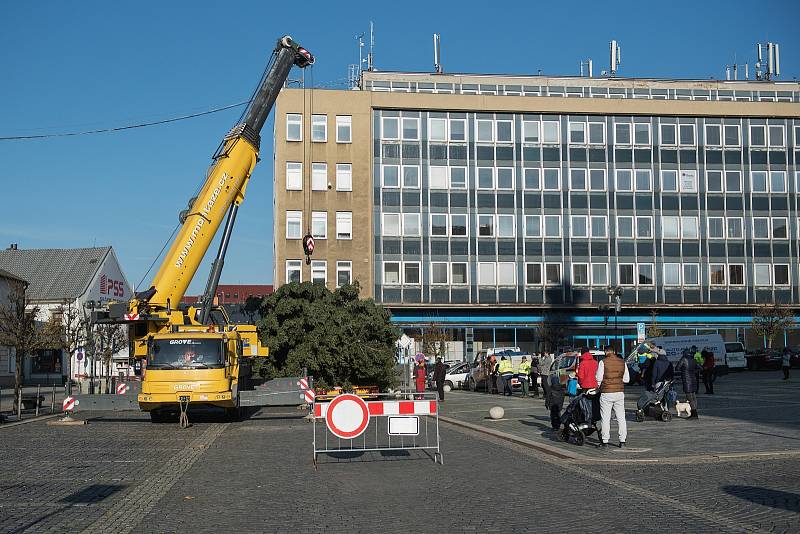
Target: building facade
point(499, 206)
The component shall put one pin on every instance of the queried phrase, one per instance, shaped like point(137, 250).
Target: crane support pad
point(276, 392)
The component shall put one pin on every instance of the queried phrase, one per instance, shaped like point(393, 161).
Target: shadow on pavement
point(372, 456)
point(766, 497)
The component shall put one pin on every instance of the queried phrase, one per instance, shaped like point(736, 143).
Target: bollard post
point(19, 405)
point(1, 406)
point(38, 390)
point(53, 401)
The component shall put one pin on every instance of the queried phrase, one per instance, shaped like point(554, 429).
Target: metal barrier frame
point(325, 446)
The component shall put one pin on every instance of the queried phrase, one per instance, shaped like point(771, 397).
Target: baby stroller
point(655, 403)
point(579, 419)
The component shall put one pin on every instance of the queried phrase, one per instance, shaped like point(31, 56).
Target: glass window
point(530, 131)
point(411, 224)
point(458, 273)
point(626, 274)
point(533, 274)
point(410, 129)
point(505, 226)
point(552, 272)
point(532, 179)
point(669, 180)
point(624, 180)
point(294, 225)
point(622, 133)
point(624, 226)
point(716, 228)
point(645, 274)
point(486, 225)
point(736, 274)
point(439, 272)
point(600, 274)
point(777, 181)
point(437, 130)
point(717, 274)
point(506, 273)
point(319, 272)
point(391, 175)
point(391, 273)
point(411, 272)
point(505, 178)
point(672, 274)
point(758, 181)
point(670, 227)
point(758, 136)
point(760, 227)
point(577, 179)
point(578, 226)
point(688, 181)
point(437, 177)
point(319, 176)
point(780, 228)
point(458, 177)
point(294, 176)
point(391, 224)
point(597, 133)
point(580, 274)
point(781, 275)
point(294, 271)
point(552, 179)
point(344, 225)
point(597, 179)
point(552, 225)
point(533, 226)
point(485, 178)
point(344, 129)
point(438, 224)
point(319, 224)
point(319, 128)
point(485, 130)
point(294, 127)
point(776, 138)
point(668, 136)
point(411, 176)
point(344, 273)
point(762, 274)
point(344, 177)
point(458, 130)
point(733, 181)
point(689, 228)
point(486, 274)
point(732, 135)
point(504, 131)
point(735, 228)
point(714, 181)
point(550, 132)
point(458, 225)
point(644, 227)
point(641, 134)
point(643, 180)
point(390, 128)
point(577, 132)
point(713, 135)
point(686, 132)
point(599, 225)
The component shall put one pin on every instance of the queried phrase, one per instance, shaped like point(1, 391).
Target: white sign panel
point(640, 334)
point(675, 345)
point(109, 283)
point(404, 426)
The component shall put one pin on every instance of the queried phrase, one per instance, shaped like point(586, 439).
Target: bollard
point(19, 405)
point(53, 401)
point(38, 390)
point(1, 406)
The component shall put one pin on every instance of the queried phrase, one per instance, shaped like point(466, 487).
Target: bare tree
point(654, 330)
point(771, 320)
point(551, 332)
point(20, 330)
point(109, 340)
point(73, 332)
point(434, 342)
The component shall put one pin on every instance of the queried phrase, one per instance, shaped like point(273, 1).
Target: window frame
point(723, 227)
point(649, 134)
point(598, 283)
point(585, 179)
point(451, 225)
point(694, 134)
point(667, 126)
point(319, 169)
point(591, 227)
point(588, 281)
point(315, 120)
point(296, 174)
point(431, 224)
point(408, 216)
point(634, 274)
point(298, 216)
point(405, 266)
point(679, 268)
point(385, 120)
point(696, 267)
point(344, 266)
point(316, 265)
point(559, 270)
point(579, 127)
point(768, 225)
point(639, 282)
point(730, 276)
point(316, 217)
point(466, 273)
point(385, 166)
point(384, 217)
point(649, 219)
point(728, 228)
point(294, 119)
point(506, 216)
point(677, 181)
point(787, 232)
point(487, 264)
point(617, 173)
point(541, 274)
point(750, 137)
point(629, 127)
point(719, 129)
point(544, 227)
point(544, 180)
point(399, 265)
point(344, 121)
point(557, 124)
point(344, 172)
point(344, 218)
point(446, 273)
point(572, 226)
point(293, 266)
point(632, 226)
point(775, 282)
point(721, 181)
point(490, 217)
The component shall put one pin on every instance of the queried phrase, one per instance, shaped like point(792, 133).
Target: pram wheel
point(580, 439)
point(666, 417)
point(563, 435)
point(639, 416)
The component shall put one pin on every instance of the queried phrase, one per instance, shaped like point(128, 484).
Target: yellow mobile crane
point(195, 356)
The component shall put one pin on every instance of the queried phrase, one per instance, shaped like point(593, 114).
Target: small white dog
point(683, 407)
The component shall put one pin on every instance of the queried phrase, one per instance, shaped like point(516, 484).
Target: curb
point(33, 420)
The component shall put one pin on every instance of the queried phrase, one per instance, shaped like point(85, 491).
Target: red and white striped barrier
point(423, 407)
point(122, 388)
point(69, 404)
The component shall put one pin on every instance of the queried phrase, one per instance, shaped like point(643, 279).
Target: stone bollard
point(496, 412)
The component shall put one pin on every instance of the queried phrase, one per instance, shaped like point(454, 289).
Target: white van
point(675, 345)
point(735, 355)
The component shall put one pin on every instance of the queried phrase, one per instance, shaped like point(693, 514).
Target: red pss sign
point(113, 288)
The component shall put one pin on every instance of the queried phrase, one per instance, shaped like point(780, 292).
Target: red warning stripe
point(375, 408)
point(406, 407)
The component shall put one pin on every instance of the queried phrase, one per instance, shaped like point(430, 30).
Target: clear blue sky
point(83, 65)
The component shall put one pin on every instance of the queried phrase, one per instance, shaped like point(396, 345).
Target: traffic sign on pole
point(640, 333)
point(122, 388)
point(69, 404)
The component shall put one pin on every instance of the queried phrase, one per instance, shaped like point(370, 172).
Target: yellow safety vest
point(505, 367)
point(525, 368)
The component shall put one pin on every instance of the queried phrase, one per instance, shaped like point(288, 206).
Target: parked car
point(565, 364)
point(735, 355)
point(478, 376)
point(764, 359)
point(456, 376)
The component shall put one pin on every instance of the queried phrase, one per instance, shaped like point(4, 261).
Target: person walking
point(506, 371)
point(534, 373)
point(688, 370)
point(419, 377)
point(708, 371)
point(612, 375)
point(438, 377)
point(587, 370)
point(492, 370)
point(522, 375)
point(662, 370)
point(786, 363)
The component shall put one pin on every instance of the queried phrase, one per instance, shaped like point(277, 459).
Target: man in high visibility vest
point(522, 375)
point(506, 370)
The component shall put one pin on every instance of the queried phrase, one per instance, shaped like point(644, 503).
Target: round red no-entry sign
point(347, 416)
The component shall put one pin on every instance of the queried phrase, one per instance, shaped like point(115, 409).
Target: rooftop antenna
point(615, 59)
point(588, 64)
point(773, 63)
point(437, 53)
point(371, 54)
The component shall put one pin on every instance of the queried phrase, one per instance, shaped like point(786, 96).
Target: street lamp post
point(615, 296)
